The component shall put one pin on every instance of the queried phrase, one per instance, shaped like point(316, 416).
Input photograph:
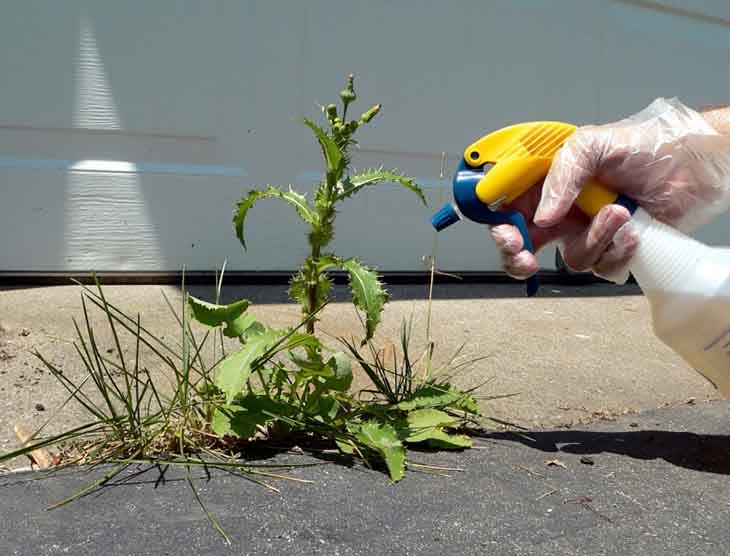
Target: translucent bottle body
point(687, 285)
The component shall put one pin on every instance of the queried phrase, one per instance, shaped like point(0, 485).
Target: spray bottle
point(686, 283)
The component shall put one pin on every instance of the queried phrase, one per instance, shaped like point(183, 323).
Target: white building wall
point(129, 129)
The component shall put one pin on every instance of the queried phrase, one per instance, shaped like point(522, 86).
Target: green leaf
point(377, 175)
point(427, 425)
point(234, 370)
point(297, 200)
point(242, 417)
point(311, 366)
point(367, 294)
point(243, 326)
point(211, 314)
point(326, 409)
point(234, 316)
point(341, 380)
point(332, 154)
point(345, 446)
point(445, 441)
point(440, 396)
point(298, 291)
point(383, 439)
point(221, 423)
point(429, 418)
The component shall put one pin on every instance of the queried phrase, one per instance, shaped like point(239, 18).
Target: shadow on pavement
point(700, 452)
point(276, 290)
point(415, 292)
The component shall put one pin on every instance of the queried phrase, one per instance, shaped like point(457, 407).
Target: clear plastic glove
point(668, 158)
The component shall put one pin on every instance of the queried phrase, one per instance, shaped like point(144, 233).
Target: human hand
point(667, 158)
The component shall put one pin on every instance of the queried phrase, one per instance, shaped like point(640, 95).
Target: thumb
point(572, 167)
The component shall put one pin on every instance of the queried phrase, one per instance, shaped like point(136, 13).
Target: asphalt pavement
point(653, 483)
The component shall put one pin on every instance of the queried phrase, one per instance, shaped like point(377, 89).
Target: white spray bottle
point(687, 285)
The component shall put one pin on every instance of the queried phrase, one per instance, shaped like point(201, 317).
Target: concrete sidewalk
point(652, 484)
point(571, 355)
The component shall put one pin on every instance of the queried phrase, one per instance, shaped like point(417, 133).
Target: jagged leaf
point(297, 200)
point(325, 409)
point(383, 439)
point(346, 446)
point(234, 370)
point(368, 293)
point(242, 417)
point(429, 418)
point(440, 396)
point(243, 326)
point(298, 291)
point(332, 154)
point(221, 423)
point(211, 314)
point(439, 438)
point(427, 425)
point(341, 378)
point(234, 316)
point(377, 175)
point(311, 366)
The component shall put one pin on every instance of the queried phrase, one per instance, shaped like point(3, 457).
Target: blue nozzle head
point(445, 217)
point(472, 208)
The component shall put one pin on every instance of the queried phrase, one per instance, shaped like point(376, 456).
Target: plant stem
point(312, 287)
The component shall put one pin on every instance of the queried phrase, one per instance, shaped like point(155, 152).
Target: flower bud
point(370, 114)
point(348, 93)
point(331, 112)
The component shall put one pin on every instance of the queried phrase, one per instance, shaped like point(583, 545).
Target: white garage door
point(129, 129)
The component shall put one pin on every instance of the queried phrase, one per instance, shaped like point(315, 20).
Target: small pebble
point(587, 460)
point(25, 332)
point(633, 425)
point(40, 407)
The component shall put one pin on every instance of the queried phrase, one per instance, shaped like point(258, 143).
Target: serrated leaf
point(233, 315)
point(383, 439)
point(440, 396)
point(221, 422)
point(297, 200)
point(311, 366)
point(234, 370)
point(341, 380)
point(242, 417)
point(332, 154)
point(326, 409)
point(367, 294)
point(438, 438)
point(429, 418)
point(427, 426)
point(298, 292)
point(377, 175)
point(211, 314)
point(345, 446)
point(242, 326)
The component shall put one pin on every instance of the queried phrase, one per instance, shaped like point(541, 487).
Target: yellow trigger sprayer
point(686, 282)
point(501, 166)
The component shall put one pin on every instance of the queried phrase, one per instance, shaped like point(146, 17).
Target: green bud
point(370, 114)
point(352, 126)
point(348, 93)
point(331, 110)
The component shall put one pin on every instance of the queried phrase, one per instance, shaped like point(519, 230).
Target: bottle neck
point(666, 259)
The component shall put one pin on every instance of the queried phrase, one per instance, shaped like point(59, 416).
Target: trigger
point(515, 218)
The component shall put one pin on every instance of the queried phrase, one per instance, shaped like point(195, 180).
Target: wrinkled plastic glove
point(668, 158)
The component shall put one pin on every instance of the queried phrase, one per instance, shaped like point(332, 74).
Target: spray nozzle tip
point(445, 217)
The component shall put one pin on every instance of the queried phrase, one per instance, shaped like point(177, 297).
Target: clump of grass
point(151, 408)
